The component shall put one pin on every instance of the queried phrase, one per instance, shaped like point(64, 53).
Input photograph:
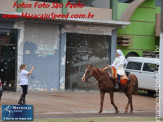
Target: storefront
point(88, 49)
point(8, 52)
point(55, 47)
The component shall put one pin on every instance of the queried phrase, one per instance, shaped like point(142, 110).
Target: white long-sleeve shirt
point(23, 76)
point(119, 64)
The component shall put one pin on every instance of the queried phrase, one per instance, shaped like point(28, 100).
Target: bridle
point(96, 79)
point(90, 74)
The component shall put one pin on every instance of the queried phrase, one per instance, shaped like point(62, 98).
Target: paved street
point(80, 104)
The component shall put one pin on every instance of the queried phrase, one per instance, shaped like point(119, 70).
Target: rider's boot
point(116, 86)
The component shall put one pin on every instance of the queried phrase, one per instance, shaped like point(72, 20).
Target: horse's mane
point(105, 68)
point(100, 70)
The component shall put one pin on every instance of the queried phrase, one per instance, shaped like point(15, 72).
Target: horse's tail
point(135, 84)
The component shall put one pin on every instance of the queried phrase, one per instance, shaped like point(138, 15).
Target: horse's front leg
point(112, 102)
point(102, 94)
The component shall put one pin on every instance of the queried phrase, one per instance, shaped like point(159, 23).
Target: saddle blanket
point(113, 74)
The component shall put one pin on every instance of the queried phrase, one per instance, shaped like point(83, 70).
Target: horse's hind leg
point(112, 102)
point(126, 109)
point(131, 106)
point(102, 94)
point(129, 95)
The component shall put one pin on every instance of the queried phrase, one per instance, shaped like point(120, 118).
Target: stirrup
point(116, 87)
point(111, 77)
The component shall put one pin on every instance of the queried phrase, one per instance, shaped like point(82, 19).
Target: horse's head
point(88, 73)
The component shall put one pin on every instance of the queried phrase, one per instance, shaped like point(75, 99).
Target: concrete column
point(113, 45)
point(114, 6)
point(20, 46)
point(62, 61)
point(64, 10)
point(20, 9)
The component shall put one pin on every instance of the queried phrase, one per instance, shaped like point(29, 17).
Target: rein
point(102, 83)
point(101, 79)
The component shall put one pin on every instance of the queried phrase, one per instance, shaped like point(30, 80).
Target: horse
point(106, 85)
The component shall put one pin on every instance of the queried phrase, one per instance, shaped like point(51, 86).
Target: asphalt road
point(80, 104)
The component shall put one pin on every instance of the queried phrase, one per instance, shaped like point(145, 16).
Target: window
point(93, 3)
point(125, 1)
point(82, 69)
point(158, 3)
point(83, 49)
point(150, 67)
point(134, 65)
point(75, 69)
point(8, 47)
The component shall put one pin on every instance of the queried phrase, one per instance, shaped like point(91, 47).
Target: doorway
point(83, 49)
point(8, 58)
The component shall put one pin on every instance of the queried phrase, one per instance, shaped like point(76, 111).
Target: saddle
point(112, 72)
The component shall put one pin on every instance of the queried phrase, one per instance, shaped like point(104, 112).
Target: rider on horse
point(119, 63)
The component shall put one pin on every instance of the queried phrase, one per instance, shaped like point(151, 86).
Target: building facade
point(141, 38)
point(54, 47)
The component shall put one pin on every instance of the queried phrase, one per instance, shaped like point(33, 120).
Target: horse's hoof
point(99, 112)
point(126, 112)
point(117, 112)
point(131, 112)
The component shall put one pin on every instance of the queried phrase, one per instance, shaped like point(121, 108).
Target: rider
point(119, 63)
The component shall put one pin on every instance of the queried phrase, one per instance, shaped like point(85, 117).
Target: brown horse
point(106, 85)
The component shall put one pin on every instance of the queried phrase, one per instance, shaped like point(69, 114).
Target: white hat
point(121, 54)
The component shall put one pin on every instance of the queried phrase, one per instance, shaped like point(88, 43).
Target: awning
point(110, 23)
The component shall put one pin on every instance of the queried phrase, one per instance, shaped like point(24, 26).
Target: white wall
point(7, 6)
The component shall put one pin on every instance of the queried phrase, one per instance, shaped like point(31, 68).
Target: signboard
point(17, 112)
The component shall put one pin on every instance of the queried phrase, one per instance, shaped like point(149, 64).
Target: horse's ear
point(90, 65)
